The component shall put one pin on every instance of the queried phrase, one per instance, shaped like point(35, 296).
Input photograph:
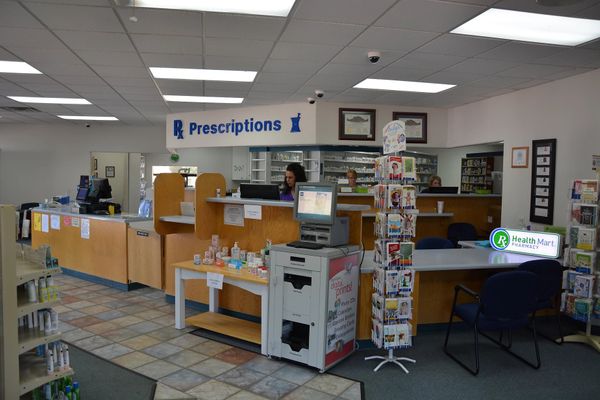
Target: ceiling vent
point(20, 109)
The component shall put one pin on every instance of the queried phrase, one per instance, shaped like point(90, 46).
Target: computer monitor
point(269, 191)
point(82, 194)
point(315, 202)
point(99, 189)
point(442, 189)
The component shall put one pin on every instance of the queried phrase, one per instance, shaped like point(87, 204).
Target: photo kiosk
point(315, 209)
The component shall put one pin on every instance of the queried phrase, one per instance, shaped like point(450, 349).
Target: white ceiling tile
point(320, 32)
point(225, 93)
point(345, 11)
point(162, 22)
point(37, 56)
point(111, 58)
point(275, 87)
point(242, 26)
point(137, 96)
point(403, 74)
point(532, 6)
point(499, 81)
point(482, 66)
point(479, 2)
point(281, 77)
point(12, 14)
point(122, 81)
point(349, 69)
point(530, 83)
point(239, 47)
point(77, 18)
point(7, 56)
point(73, 70)
point(31, 79)
point(394, 98)
point(102, 41)
point(170, 61)
point(520, 52)
point(121, 72)
point(574, 57)
point(168, 44)
point(533, 71)
point(358, 56)
point(590, 13)
point(15, 38)
point(330, 82)
point(460, 45)
point(258, 95)
point(72, 80)
point(73, 2)
point(241, 87)
point(183, 87)
point(137, 90)
point(302, 51)
point(427, 60)
point(429, 16)
point(452, 78)
point(567, 73)
point(187, 107)
point(377, 38)
point(233, 63)
point(295, 67)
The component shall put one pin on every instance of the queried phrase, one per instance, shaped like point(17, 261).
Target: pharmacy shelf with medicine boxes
point(337, 163)
point(476, 175)
point(270, 166)
point(20, 268)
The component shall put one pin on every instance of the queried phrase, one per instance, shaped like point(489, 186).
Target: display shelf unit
point(17, 362)
point(581, 298)
point(337, 163)
point(476, 174)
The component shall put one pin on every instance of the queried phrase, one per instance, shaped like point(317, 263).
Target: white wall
point(567, 110)
point(328, 124)
point(39, 161)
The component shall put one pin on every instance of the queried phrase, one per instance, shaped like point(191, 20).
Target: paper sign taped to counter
point(55, 222)
point(37, 222)
point(214, 280)
point(252, 211)
point(233, 215)
point(75, 222)
point(85, 228)
point(67, 220)
point(45, 223)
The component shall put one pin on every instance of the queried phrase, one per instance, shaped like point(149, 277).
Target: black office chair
point(430, 243)
point(506, 301)
point(458, 231)
point(549, 273)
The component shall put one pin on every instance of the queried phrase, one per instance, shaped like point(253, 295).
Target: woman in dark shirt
point(294, 173)
point(434, 181)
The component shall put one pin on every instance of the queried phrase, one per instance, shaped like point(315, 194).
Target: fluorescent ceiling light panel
point(403, 86)
point(531, 27)
point(49, 100)
point(275, 8)
point(203, 74)
point(87, 118)
point(203, 99)
point(17, 67)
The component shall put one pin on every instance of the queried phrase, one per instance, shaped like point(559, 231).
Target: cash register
point(90, 192)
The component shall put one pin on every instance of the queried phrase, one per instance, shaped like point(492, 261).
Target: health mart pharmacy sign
point(526, 242)
point(285, 124)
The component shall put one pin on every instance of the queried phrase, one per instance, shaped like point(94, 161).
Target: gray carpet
point(100, 379)
point(570, 371)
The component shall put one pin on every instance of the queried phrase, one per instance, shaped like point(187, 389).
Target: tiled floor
point(136, 330)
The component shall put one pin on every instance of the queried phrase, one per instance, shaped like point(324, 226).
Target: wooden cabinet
point(144, 257)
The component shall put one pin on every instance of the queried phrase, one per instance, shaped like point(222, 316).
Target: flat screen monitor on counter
point(315, 202)
point(99, 189)
point(269, 191)
point(441, 189)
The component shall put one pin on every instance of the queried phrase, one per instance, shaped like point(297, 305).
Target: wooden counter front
point(103, 255)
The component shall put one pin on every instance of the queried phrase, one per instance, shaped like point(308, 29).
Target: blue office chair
point(430, 243)
point(549, 273)
point(505, 303)
point(458, 231)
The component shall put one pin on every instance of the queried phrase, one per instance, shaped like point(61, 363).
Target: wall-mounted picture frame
point(543, 170)
point(109, 171)
point(357, 124)
point(415, 126)
point(520, 157)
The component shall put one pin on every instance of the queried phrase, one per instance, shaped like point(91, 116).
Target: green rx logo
point(500, 239)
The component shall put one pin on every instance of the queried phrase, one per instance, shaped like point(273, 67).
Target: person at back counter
point(293, 173)
point(434, 181)
point(352, 177)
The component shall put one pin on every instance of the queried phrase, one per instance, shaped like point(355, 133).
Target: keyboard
point(299, 244)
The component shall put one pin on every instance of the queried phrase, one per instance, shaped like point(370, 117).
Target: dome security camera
point(311, 100)
point(319, 93)
point(374, 56)
point(87, 125)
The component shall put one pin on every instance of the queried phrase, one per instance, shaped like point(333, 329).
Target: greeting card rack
point(581, 298)
point(395, 225)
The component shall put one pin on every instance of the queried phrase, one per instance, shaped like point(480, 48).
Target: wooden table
point(214, 321)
